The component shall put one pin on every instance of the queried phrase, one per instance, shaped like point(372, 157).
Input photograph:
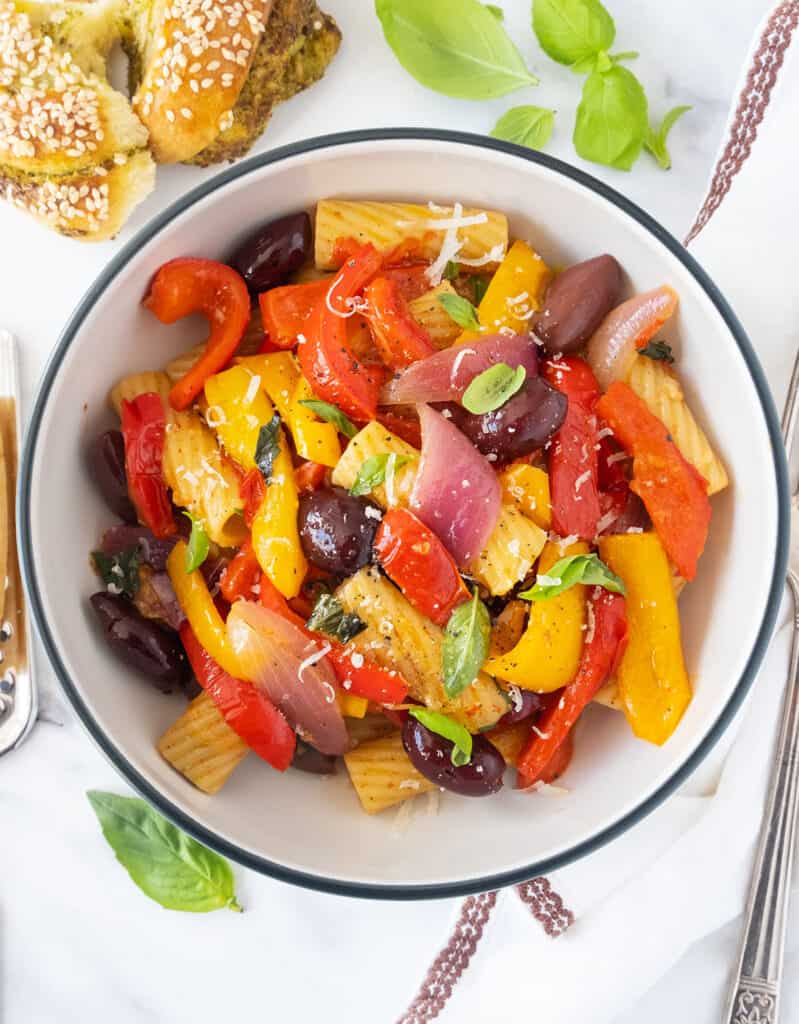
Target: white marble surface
point(77, 941)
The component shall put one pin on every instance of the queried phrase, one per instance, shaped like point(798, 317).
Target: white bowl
point(309, 830)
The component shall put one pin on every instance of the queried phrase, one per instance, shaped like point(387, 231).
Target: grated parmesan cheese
point(312, 659)
point(582, 479)
point(447, 223)
point(618, 457)
point(464, 352)
point(215, 416)
point(252, 389)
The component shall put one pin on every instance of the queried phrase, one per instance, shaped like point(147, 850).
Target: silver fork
point(18, 703)
point(754, 996)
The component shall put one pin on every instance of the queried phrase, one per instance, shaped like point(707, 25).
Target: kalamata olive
point(576, 303)
point(274, 251)
point(191, 688)
point(337, 530)
point(309, 759)
point(107, 464)
point(152, 650)
point(523, 703)
point(525, 422)
point(431, 755)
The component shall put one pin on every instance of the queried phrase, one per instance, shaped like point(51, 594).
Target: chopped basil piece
point(492, 388)
point(268, 447)
point(331, 414)
point(567, 572)
point(480, 285)
point(328, 617)
point(453, 731)
point(658, 350)
point(460, 310)
point(374, 471)
point(451, 270)
point(119, 572)
point(465, 645)
point(198, 546)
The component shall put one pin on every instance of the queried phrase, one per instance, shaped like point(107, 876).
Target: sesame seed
point(185, 112)
point(170, 115)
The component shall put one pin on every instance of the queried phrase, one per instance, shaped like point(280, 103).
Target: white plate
point(310, 830)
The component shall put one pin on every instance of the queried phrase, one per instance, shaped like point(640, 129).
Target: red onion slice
point(625, 329)
point(456, 492)
point(444, 376)
point(292, 671)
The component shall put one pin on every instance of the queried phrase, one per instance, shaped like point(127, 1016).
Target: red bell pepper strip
point(407, 427)
point(309, 476)
point(398, 337)
point(252, 491)
point(243, 706)
point(601, 654)
point(357, 674)
point(325, 356)
point(241, 574)
point(415, 559)
point(557, 766)
point(674, 493)
point(144, 429)
point(614, 487)
point(573, 467)
point(187, 285)
point(286, 310)
point(411, 279)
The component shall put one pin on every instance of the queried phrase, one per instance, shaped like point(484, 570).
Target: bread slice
point(72, 152)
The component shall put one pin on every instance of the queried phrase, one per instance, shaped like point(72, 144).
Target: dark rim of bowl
point(485, 882)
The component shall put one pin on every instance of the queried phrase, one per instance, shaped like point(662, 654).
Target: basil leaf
point(492, 388)
point(267, 447)
point(480, 285)
point(658, 350)
point(465, 645)
point(612, 120)
point(119, 572)
point(374, 471)
point(656, 138)
point(441, 725)
point(166, 864)
point(567, 572)
point(457, 47)
point(496, 11)
point(572, 30)
point(526, 126)
point(460, 310)
point(451, 271)
point(331, 414)
point(197, 548)
point(328, 617)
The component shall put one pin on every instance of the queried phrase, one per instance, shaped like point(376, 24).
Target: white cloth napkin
point(643, 900)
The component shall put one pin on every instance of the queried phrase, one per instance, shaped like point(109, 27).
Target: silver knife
point(18, 701)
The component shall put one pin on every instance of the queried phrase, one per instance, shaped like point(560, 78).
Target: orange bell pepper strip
point(187, 285)
point(397, 336)
point(415, 559)
point(602, 652)
point(241, 574)
point(325, 356)
point(252, 491)
point(286, 310)
point(672, 490)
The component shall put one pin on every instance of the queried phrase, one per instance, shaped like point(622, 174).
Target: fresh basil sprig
point(167, 865)
point(331, 414)
point(612, 118)
point(328, 617)
point(465, 645)
point(569, 571)
point(460, 310)
point(571, 31)
point(459, 736)
point(198, 546)
point(375, 469)
point(456, 47)
point(267, 447)
point(526, 126)
point(492, 388)
point(119, 572)
point(658, 350)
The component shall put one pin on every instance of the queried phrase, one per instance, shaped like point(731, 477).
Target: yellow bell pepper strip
point(198, 606)
point(237, 409)
point(527, 487)
point(281, 379)
point(314, 439)
point(653, 683)
point(275, 537)
point(350, 705)
point(514, 293)
point(548, 655)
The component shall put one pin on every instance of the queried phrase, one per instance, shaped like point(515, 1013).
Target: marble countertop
point(77, 940)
